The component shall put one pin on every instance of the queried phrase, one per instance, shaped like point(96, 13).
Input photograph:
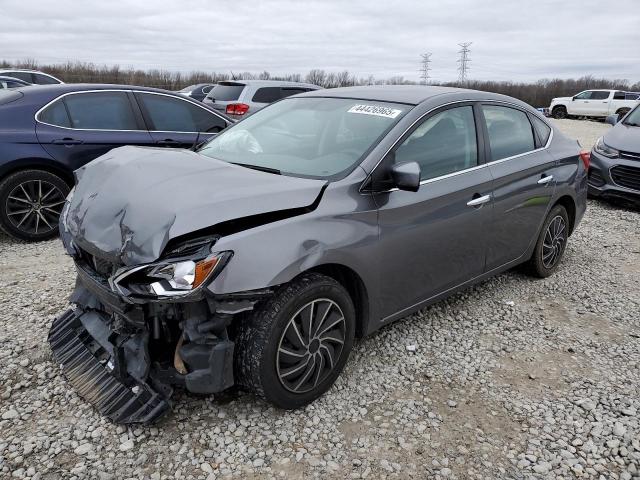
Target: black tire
point(30, 204)
point(551, 244)
point(559, 112)
point(262, 335)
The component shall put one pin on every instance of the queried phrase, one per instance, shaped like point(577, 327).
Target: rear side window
point(207, 89)
point(267, 95)
point(101, 111)
point(226, 92)
point(170, 114)
point(44, 79)
point(509, 130)
point(619, 95)
point(599, 95)
point(55, 114)
point(287, 92)
point(542, 130)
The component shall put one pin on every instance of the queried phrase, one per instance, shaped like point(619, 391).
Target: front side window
point(307, 137)
point(584, 95)
point(101, 111)
point(442, 144)
point(509, 131)
point(170, 114)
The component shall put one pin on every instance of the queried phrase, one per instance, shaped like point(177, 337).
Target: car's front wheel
point(559, 112)
point(292, 348)
point(551, 243)
point(30, 204)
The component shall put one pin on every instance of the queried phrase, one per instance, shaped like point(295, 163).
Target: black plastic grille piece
point(624, 176)
point(86, 366)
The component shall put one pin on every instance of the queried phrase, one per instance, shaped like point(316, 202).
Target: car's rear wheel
point(30, 204)
point(559, 113)
point(551, 243)
point(291, 349)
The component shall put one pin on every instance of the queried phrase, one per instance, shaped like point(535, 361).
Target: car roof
point(271, 83)
point(408, 94)
point(57, 89)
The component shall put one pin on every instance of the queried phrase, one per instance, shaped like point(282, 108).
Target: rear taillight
point(585, 156)
point(237, 108)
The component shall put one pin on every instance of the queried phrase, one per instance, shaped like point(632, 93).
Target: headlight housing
point(169, 278)
point(605, 150)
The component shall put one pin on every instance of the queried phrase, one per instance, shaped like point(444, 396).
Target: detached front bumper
point(126, 359)
point(614, 178)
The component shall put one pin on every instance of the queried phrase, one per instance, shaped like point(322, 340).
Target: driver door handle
point(545, 180)
point(478, 200)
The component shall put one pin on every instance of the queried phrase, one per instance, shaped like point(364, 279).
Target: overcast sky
point(512, 39)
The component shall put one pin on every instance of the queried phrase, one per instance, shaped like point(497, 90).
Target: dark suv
point(47, 132)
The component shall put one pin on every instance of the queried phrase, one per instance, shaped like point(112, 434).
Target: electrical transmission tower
point(425, 68)
point(464, 61)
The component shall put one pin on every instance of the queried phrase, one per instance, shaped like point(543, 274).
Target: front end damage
point(125, 354)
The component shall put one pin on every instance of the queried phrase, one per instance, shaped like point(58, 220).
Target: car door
point(523, 173)
point(434, 239)
point(580, 104)
point(177, 122)
point(79, 127)
point(598, 103)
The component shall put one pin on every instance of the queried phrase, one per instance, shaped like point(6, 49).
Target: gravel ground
point(515, 378)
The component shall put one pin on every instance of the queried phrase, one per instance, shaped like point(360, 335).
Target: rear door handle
point(479, 200)
point(545, 180)
point(66, 141)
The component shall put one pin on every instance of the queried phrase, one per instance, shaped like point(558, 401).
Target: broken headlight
point(169, 278)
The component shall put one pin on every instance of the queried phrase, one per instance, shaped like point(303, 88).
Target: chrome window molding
point(459, 172)
point(184, 99)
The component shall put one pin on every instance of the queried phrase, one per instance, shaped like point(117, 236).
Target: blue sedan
point(47, 132)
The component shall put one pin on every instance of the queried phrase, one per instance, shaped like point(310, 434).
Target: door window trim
point(37, 114)
point(192, 102)
point(476, 104)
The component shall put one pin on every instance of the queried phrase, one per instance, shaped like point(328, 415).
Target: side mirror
point(612, 119)
point(406, 176)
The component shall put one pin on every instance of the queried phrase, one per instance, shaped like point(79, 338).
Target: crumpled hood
point(623, 137)
point(130, 202)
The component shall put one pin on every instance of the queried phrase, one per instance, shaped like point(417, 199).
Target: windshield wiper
point(259, 168)
point(632, 124)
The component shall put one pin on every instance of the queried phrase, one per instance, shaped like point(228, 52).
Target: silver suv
point(239, 98)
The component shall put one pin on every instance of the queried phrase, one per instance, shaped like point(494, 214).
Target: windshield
point(306, 137)
point(633, 119)
point(226, 92)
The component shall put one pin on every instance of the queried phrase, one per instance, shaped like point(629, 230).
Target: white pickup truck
point(594, 103)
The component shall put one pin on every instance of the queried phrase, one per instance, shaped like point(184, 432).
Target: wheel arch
point(36, 163)
point(354, 285)
point(569, 205)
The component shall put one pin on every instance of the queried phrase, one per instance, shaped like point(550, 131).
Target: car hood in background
point(623, 137)
point(130, 202)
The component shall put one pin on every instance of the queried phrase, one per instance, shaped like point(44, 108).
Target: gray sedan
point(258, 259)
point(615, 171)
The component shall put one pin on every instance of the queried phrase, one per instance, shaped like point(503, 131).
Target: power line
point(425, 68)
point(464, 61)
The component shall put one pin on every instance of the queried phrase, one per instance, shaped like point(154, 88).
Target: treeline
point(538, 93)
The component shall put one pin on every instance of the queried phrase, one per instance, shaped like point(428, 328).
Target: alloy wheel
point(310, 345)
point(554, 240)
point(34, 206)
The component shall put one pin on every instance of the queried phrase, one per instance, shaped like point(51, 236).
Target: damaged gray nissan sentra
point(257, 259)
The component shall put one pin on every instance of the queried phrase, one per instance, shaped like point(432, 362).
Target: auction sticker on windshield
point(375, 110)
